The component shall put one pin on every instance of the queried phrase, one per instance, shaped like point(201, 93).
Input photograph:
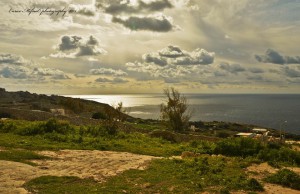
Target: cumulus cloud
point(159, 23)
point(114, 80)
point(76, 46)
point(272, 56)
point(11, 59)
point(292, 71)
point(174, 55)
point(16, 67)
point(128, 7)
point(108, 71)
point(232, 68)
point(172, 63)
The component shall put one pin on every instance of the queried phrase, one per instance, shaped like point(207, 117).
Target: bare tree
point(174, 113)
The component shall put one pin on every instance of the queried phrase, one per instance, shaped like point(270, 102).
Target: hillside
point(31, 106)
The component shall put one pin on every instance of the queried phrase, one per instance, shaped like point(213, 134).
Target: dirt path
point(81, 163)
point(260, 171)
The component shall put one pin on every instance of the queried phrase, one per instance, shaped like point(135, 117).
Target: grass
point(22, 156)
point(64, 184)
point(213, 174)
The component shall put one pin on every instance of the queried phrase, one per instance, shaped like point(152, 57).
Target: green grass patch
point(285, 177)
point(20, 156)
point(65, 184)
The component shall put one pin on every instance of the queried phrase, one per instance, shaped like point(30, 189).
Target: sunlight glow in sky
point(143, 46)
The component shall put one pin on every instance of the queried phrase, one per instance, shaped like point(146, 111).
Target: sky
point(144, 46)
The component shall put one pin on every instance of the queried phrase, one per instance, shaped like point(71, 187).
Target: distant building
point(58, 111)
point(250, 135)
point(259, 130)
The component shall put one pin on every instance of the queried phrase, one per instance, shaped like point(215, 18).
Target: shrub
point(286, 178)
point(166, 135)
point(238, 147)
point(254, 185)
point(174, 112)
point(282, 155)
point(99, 115)
point(53, 125)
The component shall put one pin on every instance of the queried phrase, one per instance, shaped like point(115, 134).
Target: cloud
point(17, 72)
point(69, 43)
point(176, 56)
point(108, 71)
point(272, 56)
point(114, 80)
point(256, 70)
point(292, 71)
point(171, 52)
point(159, 23)
point(172, 63)
point(85, 10)
point(16, 67)
point(76, 46)
point(128, 7)
point(7, 58)
point(54, 73)
point(232, 68)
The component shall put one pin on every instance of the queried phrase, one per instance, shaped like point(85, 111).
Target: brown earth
point(80, 163)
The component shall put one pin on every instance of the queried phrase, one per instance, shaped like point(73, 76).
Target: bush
point(174, 112)
point(286, 178)
point(53, 125)
point(238, 147)
point(166, 135)
point(283, 155)
point(99, 115)
point(254, 185)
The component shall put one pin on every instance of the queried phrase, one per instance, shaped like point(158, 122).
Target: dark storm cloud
point(161, 24)
point(117, 7)
point(272, 56)
point(232, 68)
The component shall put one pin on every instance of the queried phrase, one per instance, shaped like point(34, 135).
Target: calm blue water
point(266, 110)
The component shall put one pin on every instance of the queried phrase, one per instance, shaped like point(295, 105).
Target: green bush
point(99, 115)
point(282, 155)
point(254, 185)
point(54, 125)
point(286, 178)
point(238, 147)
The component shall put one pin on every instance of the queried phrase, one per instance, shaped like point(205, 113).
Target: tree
point(114, 115)
point(174, 113)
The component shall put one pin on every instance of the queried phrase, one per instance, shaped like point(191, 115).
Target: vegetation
point(174, 113)
point(20, 156)
point(163, 176)
point(64, 184)
point(285, 177)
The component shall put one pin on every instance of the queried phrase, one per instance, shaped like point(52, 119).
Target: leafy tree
point(174, 112)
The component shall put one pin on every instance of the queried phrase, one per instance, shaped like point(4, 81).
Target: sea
point(277, 111)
